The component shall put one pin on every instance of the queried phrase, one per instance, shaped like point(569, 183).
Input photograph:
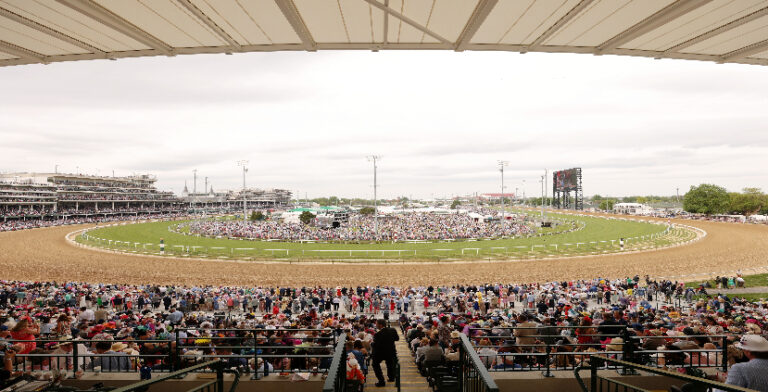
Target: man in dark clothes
point(384, 350)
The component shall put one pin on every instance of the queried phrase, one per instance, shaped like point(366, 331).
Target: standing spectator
point(384, 350)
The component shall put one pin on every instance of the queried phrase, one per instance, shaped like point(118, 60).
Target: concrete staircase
point(410, 379)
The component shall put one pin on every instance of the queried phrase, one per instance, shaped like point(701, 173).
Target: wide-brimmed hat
point(455, 335)
point(754, 343)
point(119, 346)
point(616, 344)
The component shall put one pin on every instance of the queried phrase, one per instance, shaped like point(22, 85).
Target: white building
point(632, 209)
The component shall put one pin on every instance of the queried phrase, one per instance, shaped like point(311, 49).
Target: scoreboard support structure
point(561, 196)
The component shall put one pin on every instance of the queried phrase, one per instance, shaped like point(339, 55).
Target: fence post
point(724, 354)
point(220, 377)
point(592, 375)
point(74, 359)
point(627, 354)
point(176, 351)
point(256, 359)
point(547, 372)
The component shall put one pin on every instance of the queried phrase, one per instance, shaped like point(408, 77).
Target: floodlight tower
point(543, 180)
point(194, 181)
point(374, 159)
point(244, 164)
point(525, 201)
point(502, 165)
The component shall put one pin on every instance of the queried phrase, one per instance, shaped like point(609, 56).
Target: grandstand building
point(20, 199)
point(255, 199)
point(58, 196)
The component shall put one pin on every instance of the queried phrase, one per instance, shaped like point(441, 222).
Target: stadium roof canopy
point(45, 31)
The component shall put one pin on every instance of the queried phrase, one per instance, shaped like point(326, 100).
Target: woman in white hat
point(751, 374)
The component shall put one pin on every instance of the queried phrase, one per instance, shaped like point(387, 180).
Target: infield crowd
point(395, 227)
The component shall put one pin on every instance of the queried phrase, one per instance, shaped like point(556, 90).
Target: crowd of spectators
point(115, 196)
point(18, 224)
point(147, 322)
point(15, 212)
point(360, 227)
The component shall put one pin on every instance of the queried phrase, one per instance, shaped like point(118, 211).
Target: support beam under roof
point(746, 51)
point(483, 9)
point(289, 10)
point(722, 29)
point(409, 21)
point(202, 17)
point(47, 30)
point(660, 18)
point(552, 30)
point(109, 19)
point(385, 39)
point(20, 52)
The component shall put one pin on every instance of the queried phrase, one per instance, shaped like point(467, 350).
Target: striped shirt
point(750, 374)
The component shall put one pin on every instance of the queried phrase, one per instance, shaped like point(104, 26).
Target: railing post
point(626, 352)
point(592, 375)
point(724, 354)
point(256, 360)
point(462, 366)
point(74, 359)
point(176, 352)
point(220, 377)
point(547, 372)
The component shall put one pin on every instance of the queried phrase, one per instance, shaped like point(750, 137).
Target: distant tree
point(456, 203)
point(607, 204)
point(257, 216)
point(597, 198)
point(707, 199)
point(751, 201)
point(642, 199)
point(367, 210)
point(306, 217)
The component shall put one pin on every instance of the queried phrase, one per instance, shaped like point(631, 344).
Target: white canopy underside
point(45, 31)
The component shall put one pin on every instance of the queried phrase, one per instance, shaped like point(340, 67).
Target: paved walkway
point(743, 290)
point(410, 379)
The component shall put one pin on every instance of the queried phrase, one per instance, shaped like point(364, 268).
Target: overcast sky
point(440, 121)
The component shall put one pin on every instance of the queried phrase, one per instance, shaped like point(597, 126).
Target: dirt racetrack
point(44, 254)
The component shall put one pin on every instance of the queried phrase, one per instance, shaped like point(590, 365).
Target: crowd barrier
point(600, 383)
point(553, 351)
point(244, 350)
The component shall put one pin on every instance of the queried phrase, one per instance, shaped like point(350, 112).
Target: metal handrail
point(476, 365)
point(218, 365)
point(336, 375)
point(661, 372)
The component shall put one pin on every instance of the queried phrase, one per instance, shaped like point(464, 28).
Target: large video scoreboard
point(566, 180)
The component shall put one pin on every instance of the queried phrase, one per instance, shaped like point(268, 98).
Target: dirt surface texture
point(45, 255)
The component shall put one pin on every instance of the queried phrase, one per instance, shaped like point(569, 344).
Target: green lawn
point(593, 229)
point(749, 281)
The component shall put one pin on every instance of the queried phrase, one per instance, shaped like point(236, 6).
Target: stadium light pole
point(374, 159)
point(525, 201)
point(543, 180)
point(194, 181)
point(546, 186)
point(244, 164)
point(502, 165)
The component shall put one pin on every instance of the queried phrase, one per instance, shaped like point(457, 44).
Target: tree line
point(712, 199)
